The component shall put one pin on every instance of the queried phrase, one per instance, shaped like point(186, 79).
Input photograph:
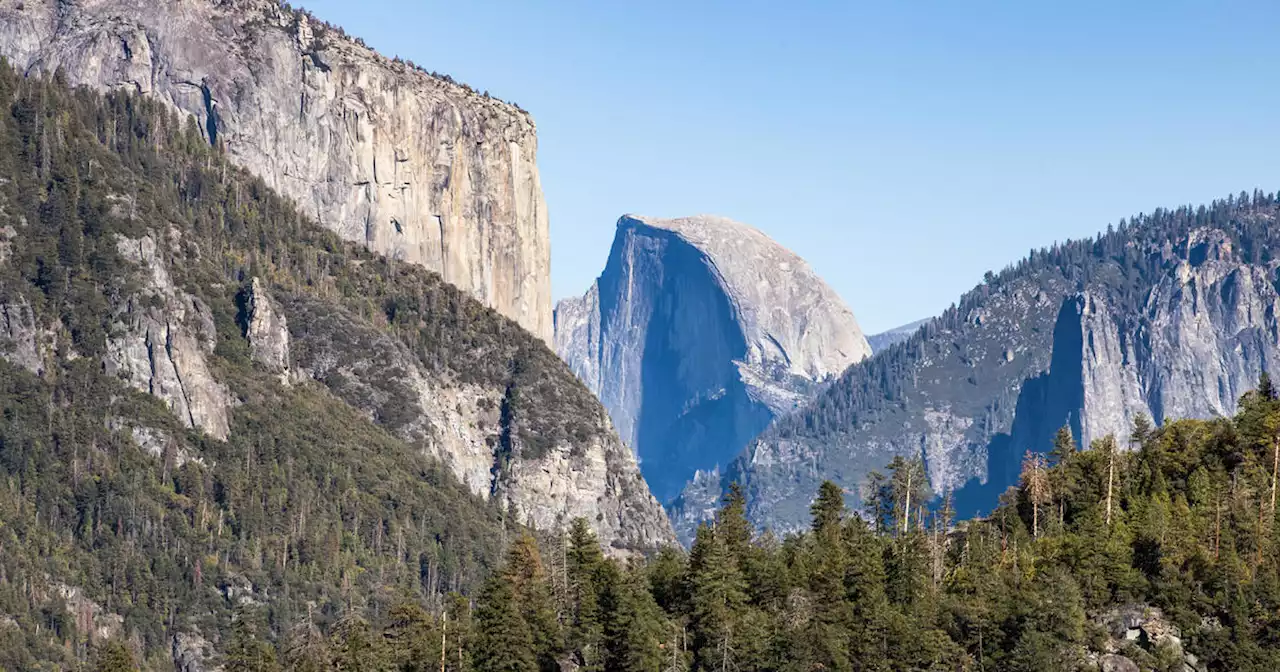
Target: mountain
point(407, 163)
point(885, 339)
point(1172, 314)
point(698, 333)
point(210, 401)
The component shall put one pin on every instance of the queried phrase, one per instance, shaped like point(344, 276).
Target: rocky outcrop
point(193, 653)
point(1203, 335)
point(412, 165)
point(475, 429)
point(268, 331)
point(1141, 633)
point(24, 342)
point(160, 342)
point(699, 332)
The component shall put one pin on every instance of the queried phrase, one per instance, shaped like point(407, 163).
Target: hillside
point(211, 402)
point(1171, 314)
point(1164, 558)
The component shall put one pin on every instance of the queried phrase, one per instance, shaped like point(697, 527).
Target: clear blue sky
point(903, 149)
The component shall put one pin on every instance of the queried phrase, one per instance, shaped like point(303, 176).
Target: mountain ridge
point(989, 379)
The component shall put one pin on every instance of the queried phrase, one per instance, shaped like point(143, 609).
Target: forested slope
point(190, 427)
point(1160, 558)
point(1168, 314)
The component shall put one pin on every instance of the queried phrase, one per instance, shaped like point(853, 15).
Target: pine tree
point(248, 651)
point(503, 642)
point(910, 488)
point(114, 656)
point(585, 573)
point(1036, 487)
point(307, 651)
point(416, 643)
point(732, 525)
point(828, 633)
point(355, 647)
point(528, 578)
point(636, 630)
point(718, 596)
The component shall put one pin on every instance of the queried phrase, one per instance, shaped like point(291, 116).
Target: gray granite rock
point(268, 331)
point(411, 165)
point(698, 333)
point(160, 341)
point(592, 475)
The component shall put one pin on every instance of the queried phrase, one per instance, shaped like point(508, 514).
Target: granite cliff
point(408, 164)
point(1172, 314)
point(697, 334)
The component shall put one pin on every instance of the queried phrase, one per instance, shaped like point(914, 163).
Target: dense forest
point(1157, 551)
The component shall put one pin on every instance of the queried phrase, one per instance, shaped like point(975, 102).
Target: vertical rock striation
point(160, 343)
point(699, 332)
point(411, 165)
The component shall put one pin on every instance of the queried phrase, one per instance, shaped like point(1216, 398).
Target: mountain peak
point(699, 332)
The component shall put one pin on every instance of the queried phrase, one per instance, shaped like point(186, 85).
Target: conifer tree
point(355, 647)
point(528, 578)
point(636, 630)
point(248, 651)
point(114, 656)
point(586, 576)
point(718, 596)
point(414, 639)
point(503, 641)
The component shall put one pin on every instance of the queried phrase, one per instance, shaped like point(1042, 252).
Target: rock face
point(161, 341)
point(1165, 317)
point(268, 331)
point(475, 430)
point(411, 165)
point(699, 332)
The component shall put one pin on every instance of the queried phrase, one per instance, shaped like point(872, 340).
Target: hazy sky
point(902, 149)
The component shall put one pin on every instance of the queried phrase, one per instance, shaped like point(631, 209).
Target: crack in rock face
point(357, 140)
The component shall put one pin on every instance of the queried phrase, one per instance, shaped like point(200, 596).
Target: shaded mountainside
point(1172, 314)
point(697, 334)
point(884, 339)
point(211, 401)
point(411, 165)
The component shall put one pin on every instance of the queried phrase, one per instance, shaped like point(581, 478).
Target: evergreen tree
point(414, 639)
point(528, 578)
point(636, 630)
point(504, 642)
point(248, 651)
point(718, 596)
point(355, 647)
point(114, 656)
point(587, 581)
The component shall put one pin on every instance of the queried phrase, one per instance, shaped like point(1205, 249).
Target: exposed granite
point(698, 333)
point(409, 164)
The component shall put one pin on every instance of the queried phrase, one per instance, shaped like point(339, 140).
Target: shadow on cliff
point(1046, 402)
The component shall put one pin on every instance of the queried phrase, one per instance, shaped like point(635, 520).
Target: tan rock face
point(381, 153)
